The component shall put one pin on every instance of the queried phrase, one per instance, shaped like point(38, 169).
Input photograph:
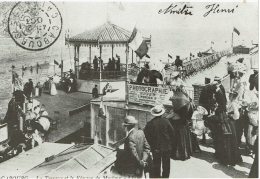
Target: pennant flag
point(147, 56)
point(138, 44)
point(235, 30)
point(169, 56)
point(56, 63)
point(101, 112)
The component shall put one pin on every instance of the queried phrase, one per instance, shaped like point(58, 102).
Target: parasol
point(56, 79)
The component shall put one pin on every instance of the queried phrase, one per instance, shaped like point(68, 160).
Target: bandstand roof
point(107, 33)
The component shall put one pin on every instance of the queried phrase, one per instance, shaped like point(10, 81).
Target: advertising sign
point(149, 95)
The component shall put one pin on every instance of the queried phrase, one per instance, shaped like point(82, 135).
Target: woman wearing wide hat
point(180, 118)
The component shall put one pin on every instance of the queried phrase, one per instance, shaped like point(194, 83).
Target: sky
point(179, 34)
point(171, 33)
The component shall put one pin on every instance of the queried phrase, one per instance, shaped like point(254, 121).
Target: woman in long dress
point(181, 120)
point(53, 90)
point(227, 151)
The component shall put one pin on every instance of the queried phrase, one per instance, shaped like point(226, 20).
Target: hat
point(217, 78)
point(202, 110)
point(240, 60)
point(157, 110)
point(244, 103)
point(253, 106)
point(214, 83)
point(130, 120)
point(174, 74)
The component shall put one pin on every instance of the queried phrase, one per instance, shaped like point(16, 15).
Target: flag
point(138, 44)
point(169, 56)
point(235, 30)
point(101, 111)
point(56, 63)
point(212, 42)
point(147, 56)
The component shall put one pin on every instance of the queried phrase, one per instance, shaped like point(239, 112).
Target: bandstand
point(107, 35)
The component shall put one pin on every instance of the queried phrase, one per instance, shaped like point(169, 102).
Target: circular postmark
point(34, 25)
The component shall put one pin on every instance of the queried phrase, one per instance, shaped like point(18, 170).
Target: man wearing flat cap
point(160, 135)
point(136, 148)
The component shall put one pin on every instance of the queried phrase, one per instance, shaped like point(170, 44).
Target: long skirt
point(227, 150)
point(53, 89)
point(251, 136)
point(182, 149)
point(254, 168)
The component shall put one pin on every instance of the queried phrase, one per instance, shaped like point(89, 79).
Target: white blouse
point(234, 107)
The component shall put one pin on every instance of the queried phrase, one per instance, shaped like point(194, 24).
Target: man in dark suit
point(253, 80)
point(160, 135)
point(136, 149)
point(95, 92)
point(178, 62)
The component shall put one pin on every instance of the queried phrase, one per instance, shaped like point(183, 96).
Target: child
point(198, 127)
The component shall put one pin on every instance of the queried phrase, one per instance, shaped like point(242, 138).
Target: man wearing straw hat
point(160, 135)
point(136, 149)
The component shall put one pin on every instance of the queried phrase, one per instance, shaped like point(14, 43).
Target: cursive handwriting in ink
point(215, 8)
point(175, 9)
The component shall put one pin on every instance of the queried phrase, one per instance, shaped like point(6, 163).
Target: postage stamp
point(34, 25)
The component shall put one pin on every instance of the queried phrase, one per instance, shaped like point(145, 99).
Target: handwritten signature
point(188, 9)
point(215, 8)
point(176, 9)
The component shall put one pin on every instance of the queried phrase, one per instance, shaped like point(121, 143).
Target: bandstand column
point(76, 60)
point(90, 54)
point(132, 56)
point(100, 55)
point(112, 51)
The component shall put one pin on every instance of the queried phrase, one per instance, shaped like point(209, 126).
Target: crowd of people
point(112, 65)
point(27, 121)
point(223, 115)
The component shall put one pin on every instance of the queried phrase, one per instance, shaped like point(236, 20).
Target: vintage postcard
point(118, 89)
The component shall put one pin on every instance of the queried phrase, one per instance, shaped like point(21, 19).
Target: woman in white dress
point(53, 90)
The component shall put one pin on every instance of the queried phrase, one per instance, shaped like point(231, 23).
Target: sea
point(161, 46)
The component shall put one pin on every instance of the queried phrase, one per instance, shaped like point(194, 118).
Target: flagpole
point(232, 40)
point(126, 84)
point(54, 67)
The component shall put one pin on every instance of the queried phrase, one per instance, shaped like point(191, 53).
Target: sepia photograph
point(129, 89)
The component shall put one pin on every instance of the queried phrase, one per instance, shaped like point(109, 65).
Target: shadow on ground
point(228, 170)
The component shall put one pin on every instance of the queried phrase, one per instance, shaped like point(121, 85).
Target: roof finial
point(108, 18)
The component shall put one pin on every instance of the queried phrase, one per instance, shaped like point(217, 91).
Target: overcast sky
point(81, 16)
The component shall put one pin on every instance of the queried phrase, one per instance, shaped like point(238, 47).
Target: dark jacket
point(136, 148)
point(95, 92)
point(223, 92)
point(206, 98)
point(221, 100)
point(160, 134)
